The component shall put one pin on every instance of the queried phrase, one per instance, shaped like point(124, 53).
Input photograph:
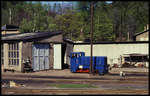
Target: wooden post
point(91, 41)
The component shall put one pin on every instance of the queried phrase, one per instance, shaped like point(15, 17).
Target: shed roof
point(9, 27)
point(27, 36)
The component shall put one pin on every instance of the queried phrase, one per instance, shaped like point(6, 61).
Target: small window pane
point(10, 61)
point(17, 61)
point(14, 61)
point(9, 54)
point(9, 46)
point(13, 46)
point(14, 54)
point(17, 54)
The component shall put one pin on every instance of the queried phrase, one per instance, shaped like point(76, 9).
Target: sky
point(52, 2)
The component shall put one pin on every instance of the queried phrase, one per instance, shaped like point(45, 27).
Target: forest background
point(115, 21)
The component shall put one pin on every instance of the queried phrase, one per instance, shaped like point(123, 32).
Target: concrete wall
point(112, 51)
point(69, 48)
point(9, 32)
point(27, 51)
point(143, 37)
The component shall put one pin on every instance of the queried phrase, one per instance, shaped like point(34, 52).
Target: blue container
point(85, 61)
point(101, 64)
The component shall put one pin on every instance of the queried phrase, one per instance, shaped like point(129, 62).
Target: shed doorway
point(40, 53)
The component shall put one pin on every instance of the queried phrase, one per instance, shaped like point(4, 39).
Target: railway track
point(70, 91)
point(107, 84)
point(62, 80)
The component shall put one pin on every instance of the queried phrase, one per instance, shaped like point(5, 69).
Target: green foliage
point(26, 26)
point(4, 17)
point(129, 17)
point(103, 23)
point(71, 24)
point(111, 21)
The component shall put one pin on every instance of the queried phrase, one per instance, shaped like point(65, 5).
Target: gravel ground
point(67, 73)
point(130, 69)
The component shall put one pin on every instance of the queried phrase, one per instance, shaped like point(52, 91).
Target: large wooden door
point(40, 57)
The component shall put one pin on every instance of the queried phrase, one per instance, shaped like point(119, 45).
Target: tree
point(111, 21)
point(70, 24)
point(129, 17)
point(103, 25)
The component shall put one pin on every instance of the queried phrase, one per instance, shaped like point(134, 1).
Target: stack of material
point(27, 66)
point(12, 84)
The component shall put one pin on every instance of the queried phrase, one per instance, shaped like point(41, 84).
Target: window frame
point(13, 54)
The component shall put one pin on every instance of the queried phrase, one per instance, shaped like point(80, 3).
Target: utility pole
point(91, 41)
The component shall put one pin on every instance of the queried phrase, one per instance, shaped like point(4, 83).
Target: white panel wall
point(57, 57)
point(112, 51)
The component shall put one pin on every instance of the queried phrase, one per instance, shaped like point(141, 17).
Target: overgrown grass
point(74, 86)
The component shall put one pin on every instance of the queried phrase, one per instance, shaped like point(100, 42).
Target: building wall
point(69, 48)
point(143, 37)
point(57, 56)
point(51, 40)
point(9, 32)
point(112, 51)
point(27, 51)
point(51, 57)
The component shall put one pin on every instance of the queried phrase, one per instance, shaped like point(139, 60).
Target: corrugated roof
point(26, 36)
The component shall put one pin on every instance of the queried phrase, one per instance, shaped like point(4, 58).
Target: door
point(40, 57)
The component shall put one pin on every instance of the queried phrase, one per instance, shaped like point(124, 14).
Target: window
point(127, 59)
point(136, 59)
point(13, 53)
point(2, 54)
